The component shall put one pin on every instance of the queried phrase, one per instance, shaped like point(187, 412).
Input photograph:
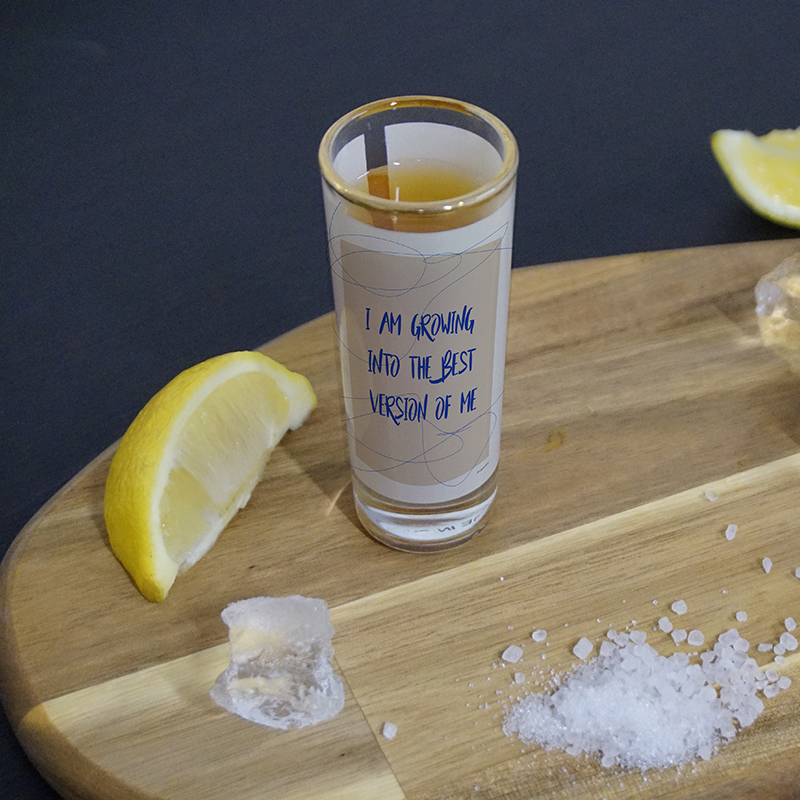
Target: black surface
point(160, 199)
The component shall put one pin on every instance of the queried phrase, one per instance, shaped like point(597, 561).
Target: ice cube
point(778, 310)
point(280, 673)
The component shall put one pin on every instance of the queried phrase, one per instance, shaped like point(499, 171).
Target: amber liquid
point(419, 181)
point(424, 181)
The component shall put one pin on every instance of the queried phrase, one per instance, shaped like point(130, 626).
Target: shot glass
point(419, 204)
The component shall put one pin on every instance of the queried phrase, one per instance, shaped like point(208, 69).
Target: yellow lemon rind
point(137, 476)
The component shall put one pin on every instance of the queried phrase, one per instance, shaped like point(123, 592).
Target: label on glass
point(421, 319)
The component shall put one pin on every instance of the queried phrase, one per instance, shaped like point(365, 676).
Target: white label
point(421, 319)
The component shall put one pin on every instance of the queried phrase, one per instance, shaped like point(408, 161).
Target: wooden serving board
point(634, 384)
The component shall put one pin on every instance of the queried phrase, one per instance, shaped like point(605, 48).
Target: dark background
point(160, 198)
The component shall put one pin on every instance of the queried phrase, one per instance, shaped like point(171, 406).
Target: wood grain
point(633, 384)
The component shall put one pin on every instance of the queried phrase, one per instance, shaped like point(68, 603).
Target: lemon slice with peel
point(763, 170)
point(191, 458)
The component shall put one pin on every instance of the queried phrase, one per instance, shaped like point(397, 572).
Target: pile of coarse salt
point(634, 708)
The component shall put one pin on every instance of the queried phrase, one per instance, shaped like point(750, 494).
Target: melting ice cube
point(280, 673)
point(778, 310)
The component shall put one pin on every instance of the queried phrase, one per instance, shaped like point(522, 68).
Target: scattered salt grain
point(606, 648)
point(741, 645)
point(712, 495)
point(797, 573)
point(741, 616)
point(790, 624)
point(583, 648)
point(389, 730)
point(730, 532)
point(665, 625)
point(695, 638)
point(764, 647)
point(512, 654)
point(638, 637)
point(679, 635)
point(767, 564)
point(539, 635)
point(633, 708)
point(519, 677)
point(679, 607)
point(780, 660)
point(788, 641)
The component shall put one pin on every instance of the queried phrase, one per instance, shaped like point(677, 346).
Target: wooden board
point(634, 384)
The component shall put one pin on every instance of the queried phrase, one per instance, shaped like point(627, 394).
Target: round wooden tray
point(633, 385)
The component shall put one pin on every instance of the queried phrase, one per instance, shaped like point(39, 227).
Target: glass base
point(429, 528)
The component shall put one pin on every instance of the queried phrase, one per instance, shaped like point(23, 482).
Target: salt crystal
point(638, 637)
point(512, 654)
point(539, 635)
point(779, 649)
point(695, 638)
point(678, 635)
point(730, 532)
point(784, 682)
point(789, 624)
point(712, 495)
point(620, 639)
point(797, 573)
point(788, 641)
point(635, 713)
point(780, 660)
point(665, 625)
point(519, 677)
point(583, 648)
point(767, 564)
point(389, 730)
point(607, 649)
point(741, 616)
point(764, 647)
point(728, 638)
point(280, 673)
point(679, 607)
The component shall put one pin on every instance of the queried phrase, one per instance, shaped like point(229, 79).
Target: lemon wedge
point(763, 170)
point(191, 458)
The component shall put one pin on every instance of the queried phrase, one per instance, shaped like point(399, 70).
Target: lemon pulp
point(190, 461)
point(763, 170)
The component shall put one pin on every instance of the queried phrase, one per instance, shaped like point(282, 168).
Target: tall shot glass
point(419, 204)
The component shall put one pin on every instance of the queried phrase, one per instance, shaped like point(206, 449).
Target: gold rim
point(504, 176)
